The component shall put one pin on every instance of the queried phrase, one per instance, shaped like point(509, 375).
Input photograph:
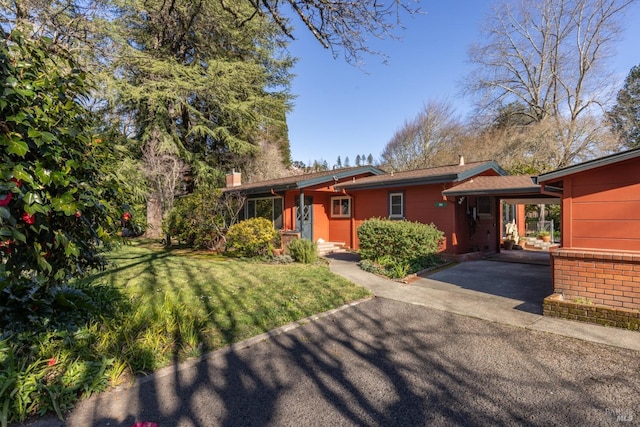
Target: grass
point(202, 300)
point(159, 306)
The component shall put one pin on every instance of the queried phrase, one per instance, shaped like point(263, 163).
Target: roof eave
point(305, 183)
point(591, 164)
point(470, 173)
point(397, 183)
point(491, 192)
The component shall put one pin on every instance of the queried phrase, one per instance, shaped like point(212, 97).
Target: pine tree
point(370, 159)
point(625, 115)
point(198, 93)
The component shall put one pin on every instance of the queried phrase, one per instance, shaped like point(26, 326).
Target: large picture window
point(341, 207)
point(268, 207)
point(396, 205)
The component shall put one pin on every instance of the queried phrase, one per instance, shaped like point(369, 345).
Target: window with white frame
point(396, 205)
point(341, 207)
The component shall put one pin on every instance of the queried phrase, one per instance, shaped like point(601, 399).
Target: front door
point(304, 217)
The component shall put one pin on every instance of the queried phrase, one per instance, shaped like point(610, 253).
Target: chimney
point(461, 160)
point(234, 179)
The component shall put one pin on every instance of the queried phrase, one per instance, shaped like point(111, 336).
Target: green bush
point(303, 250)
point(55, 216)
point(252, 237)
point(201, 219)
point(399, 246)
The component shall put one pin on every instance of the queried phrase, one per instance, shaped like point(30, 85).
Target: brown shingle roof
point(480, 185)
point(303, 180)
point(451, 173)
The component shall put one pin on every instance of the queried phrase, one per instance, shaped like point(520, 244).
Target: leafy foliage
point(303, 250)
point(252, 237)
point(399, 247)
point(54, 218)
point(202, 93)
point(201, 220)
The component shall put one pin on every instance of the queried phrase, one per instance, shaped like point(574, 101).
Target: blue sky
point(341, 110)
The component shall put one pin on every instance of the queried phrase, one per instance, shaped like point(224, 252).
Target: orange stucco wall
point(324, 227)
point(423, 203)
point(601, 208)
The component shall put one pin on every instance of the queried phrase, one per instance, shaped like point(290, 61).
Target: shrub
point(55, 220)
point(303, 250)
point(399, 247)
point(252, 237)
point(200, 220)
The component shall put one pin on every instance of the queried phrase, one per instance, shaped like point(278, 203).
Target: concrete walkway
point(475, 298)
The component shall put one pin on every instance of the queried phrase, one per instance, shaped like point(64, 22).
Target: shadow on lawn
point(378, 363)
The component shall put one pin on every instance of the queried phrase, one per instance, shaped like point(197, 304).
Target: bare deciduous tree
point(430, 139)
point(550, 56)
point(268, 163)
point(335, 24)
point(164, 172)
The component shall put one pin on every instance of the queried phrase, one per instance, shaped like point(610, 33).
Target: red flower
point(17, 181)
point(52, 361)
point(4, 200)
point(78, 214)
point(126, 216)
point(29, 219)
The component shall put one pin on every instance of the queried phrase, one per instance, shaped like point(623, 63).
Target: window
point(269, 208)
point(341, 207)
point(484, 206)
point(396, 205)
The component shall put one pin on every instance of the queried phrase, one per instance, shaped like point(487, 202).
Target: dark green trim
point(591, 164)
point(433, 179)
point(514, 190)
point(305, 183)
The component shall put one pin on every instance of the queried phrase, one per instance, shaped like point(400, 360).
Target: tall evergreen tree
point(198, 89)
point(625, 115)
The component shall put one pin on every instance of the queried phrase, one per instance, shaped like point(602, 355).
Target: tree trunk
point(154, 218)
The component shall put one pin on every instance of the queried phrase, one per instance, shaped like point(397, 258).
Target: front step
point(535, 243)
point(325, 248)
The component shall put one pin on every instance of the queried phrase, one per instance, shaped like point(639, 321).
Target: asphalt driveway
point(386, 363)
point(528, 283)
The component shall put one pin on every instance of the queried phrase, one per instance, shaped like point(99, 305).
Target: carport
point(516, 190)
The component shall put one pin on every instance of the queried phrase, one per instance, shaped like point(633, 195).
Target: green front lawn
point(160, 306)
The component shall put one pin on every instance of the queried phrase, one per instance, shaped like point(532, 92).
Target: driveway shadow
point(529, 283)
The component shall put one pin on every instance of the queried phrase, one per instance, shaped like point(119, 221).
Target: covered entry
point(516, 191)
